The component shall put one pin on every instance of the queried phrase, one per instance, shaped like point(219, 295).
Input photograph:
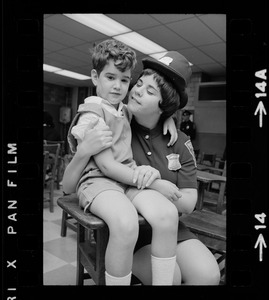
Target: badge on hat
point(173, 162)
point(166, 60)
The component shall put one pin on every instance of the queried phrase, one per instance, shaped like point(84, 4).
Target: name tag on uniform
point(173, 162)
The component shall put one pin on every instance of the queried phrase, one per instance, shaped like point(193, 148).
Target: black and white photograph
point(134, 150)
point(189, 52)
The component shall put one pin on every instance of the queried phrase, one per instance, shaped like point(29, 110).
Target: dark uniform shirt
point(176, 163)
point(188, 128)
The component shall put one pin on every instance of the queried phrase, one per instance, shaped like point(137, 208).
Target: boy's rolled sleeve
point(86, 121)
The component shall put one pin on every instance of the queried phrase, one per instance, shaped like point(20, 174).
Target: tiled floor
point(59, 253)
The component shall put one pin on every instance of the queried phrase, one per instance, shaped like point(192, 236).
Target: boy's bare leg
point(121, 217)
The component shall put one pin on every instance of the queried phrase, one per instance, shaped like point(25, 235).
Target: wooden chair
point(60, 163)
point(90, 252)
point(49, 168)
point(216, 193)
point(210, 227)
point(67, 222)
point(208, 159)
point(45, 164)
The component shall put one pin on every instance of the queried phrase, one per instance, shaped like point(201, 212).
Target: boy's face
point(112, 84)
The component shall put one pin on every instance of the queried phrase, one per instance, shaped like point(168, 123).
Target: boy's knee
point(125, 229)
point(167, 219)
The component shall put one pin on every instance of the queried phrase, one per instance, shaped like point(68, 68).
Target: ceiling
point(199, 37)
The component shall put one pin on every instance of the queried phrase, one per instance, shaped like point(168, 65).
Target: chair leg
point(80, 273)
point(51, 195)
point(102, 240)
point(58, 176)
point(60, 171)
point(64, 226)
point(58, 182)
point(80, 268)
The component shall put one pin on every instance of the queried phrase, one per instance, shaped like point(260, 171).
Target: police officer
point(187, 126)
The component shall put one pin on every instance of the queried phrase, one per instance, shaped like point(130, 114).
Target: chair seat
point(90, 254)
point(209, 227)
point(70, 204)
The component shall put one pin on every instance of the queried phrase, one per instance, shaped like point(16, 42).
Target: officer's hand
point(144, 176)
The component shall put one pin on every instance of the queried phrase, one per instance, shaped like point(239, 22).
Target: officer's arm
point(95, 140)
point(73, 172)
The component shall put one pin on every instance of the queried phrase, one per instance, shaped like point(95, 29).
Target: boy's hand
point(144, 176)
point(169, 125)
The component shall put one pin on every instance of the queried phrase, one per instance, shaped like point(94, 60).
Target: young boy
point(106, 179)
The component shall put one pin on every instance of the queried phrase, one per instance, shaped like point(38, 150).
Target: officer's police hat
point(174, 67)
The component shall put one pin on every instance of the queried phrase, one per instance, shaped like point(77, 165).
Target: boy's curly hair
point(124, 57)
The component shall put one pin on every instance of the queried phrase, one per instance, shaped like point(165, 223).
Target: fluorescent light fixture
point(49, 68)
point(114, 29)
point(72, 75)
point(139, 42)
point(100, 22)
point(66, 73)
point(117, 31)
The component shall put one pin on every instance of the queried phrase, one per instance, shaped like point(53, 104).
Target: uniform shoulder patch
point(189, 146)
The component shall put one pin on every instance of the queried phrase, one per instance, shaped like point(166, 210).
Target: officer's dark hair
point(170, 97)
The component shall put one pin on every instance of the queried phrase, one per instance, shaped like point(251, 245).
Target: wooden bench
point(208, 226)
point(90, 253)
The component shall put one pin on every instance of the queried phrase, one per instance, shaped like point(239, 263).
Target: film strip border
point(247, 153)
point(22, 200)
point(247, 157)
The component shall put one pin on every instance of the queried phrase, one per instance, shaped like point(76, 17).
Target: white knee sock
point(163, 270)
point(112, 280)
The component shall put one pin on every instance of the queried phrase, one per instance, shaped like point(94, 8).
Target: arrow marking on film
point(260, 109)
point(261, 243)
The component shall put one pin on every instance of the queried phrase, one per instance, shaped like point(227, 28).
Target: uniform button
point(147, 137)
point(149, 153)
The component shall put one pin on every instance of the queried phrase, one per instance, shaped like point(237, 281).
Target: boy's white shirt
point(88, 118)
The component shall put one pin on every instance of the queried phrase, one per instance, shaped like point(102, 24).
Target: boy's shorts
point(92, 187)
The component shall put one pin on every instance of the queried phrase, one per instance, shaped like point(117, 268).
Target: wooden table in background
point(204, 179)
